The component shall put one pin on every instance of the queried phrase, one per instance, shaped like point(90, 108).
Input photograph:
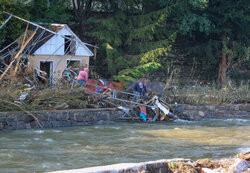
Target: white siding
point(65, 31)
point(81, 51)
point(55, 45)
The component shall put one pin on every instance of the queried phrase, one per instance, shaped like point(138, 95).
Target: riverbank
point(20, 97)
point(239, 164)
point(83, 117)
point(23, 106)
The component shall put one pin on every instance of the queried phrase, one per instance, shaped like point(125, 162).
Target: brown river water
point(41, 150)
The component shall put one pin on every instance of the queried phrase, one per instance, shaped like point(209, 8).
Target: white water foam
point(183, 121)
point(49, 140)
point(45, 165)
point(237, 119)
point(89, 147)
point(39, 131)
point(243, 150)
point(133, 132)
point(117, 128)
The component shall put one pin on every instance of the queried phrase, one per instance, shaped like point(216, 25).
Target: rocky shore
point(238, 164)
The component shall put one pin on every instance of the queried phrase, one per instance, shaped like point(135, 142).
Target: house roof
point(42, 36)
point(36, 42)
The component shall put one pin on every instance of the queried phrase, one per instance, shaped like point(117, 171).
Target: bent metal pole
point(43, 27)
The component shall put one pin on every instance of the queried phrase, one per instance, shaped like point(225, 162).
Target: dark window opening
point(73, 63)
point(70, 45)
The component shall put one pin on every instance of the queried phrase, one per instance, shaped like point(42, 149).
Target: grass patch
point(208, 94)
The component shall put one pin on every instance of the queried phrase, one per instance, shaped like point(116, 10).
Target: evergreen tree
point(231, 21)
point(52, 11)
point(216, 30)
point(14, 28)
point(138, 40)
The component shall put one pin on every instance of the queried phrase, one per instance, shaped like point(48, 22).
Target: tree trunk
point(222, 70)
point(222, 64)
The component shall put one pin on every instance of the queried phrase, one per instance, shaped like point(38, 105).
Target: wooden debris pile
point(156, 110)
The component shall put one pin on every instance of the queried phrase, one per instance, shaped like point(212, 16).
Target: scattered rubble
point(233, 165)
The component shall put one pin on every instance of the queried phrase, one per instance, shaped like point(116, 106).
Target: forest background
point(200, 39)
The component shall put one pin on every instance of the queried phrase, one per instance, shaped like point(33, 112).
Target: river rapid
point(40, 150)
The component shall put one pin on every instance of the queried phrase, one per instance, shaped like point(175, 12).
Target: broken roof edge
point(79, 40)
point(59, 27)
point(35, 24)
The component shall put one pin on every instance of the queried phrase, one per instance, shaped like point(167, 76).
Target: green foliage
point(110, 30)
point(143, 47)
point(231, 21)
point(205, 54)
point(230, 18)
point(151, 41)
point(111, 55)
point(131, 34)
point(14, 28)
point(135, 33)
point(190, 23)
point(153, 55)
point(201, 27)
point(172, 165)
point(119, 31)
point(190, 18)
point(114, 59)
point(148, 25)
point(56, 12)
point(153, 17)
point(121, 63)
point(137, 72)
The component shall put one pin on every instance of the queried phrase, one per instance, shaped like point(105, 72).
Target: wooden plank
point(20, 51)
point(25, 33)
point(19, 58)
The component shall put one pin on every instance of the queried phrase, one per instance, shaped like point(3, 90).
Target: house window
point(69, 45)
point(73, 63)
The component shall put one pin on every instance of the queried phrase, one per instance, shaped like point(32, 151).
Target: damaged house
point(46, 49)
point(54, 53)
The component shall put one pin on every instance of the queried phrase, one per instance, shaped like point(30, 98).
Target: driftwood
point(16, 56)
point(22, 45)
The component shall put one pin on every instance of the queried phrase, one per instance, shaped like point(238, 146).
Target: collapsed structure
point(48, 50)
